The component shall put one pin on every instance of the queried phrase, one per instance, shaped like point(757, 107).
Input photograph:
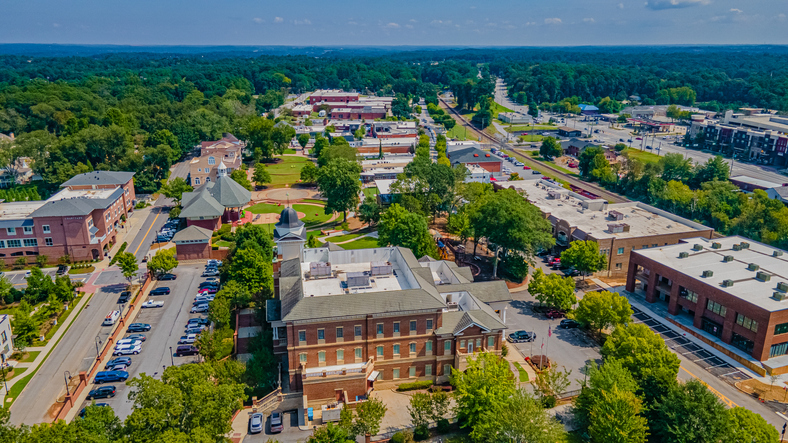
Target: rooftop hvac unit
point(727, 283)
point(737, 247)
point(716, 245)
point(615, 215)
point(762, 276)
point(319, 269)
point(707, 274)
point(380, 268)
point(777, 253)
point(618, 227)
point(780, 296)
point(683, 254)
point(697, 247)
point(727, 258)
point(782, 286)
point(745, 245)
point(452, 306)
point(357, 279)
point(753, 267)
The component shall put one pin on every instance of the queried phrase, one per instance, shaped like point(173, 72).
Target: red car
point(526, 167)
point(207, 290)
point(555, 261)
point(572, 165)
point(555, 314)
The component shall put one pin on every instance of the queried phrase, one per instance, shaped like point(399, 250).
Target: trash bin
point(309, 413)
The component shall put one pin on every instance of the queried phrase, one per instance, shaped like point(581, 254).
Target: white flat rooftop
point(17, 210)
point(82, 193)
point(745, 286)
point(318, 287)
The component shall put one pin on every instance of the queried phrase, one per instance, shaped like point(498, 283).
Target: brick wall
point(193, 251)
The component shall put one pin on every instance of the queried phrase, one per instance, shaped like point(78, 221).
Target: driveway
point(291, 433)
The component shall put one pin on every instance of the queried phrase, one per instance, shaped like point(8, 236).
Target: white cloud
point(305, 21)
point(278, 19)
point(736, 10)
point(413, 20)
point(352, 23)
point(589, 20)
point(674, 4)
point(620, 6)
point(552, 21)
point(55, 25)
point(257, 20)
point(530, 23)
point(409, 26)
point(436, 22)
point(392, 25)
point(781, 17)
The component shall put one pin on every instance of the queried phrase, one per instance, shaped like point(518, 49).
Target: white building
point(6, 342)
point(477, 174)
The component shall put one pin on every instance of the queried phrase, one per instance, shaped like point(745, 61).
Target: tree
point(551, 382)
point(219, 312)
point(360, 132)
point(616, 418)
point(24, 326)
point(175, 188)
point(675, 167)
point(673, 112)
point(486, 382)
point(242, 178)
point(339, 181)
point(420, 410)
point(690, 413)
point(331, 433)
point(303, 140)
point(553, 290)
point(369, 211)
point(619, 147)
point(39, 285)
point(584, 255)
point(586, 159)
point(550, 148)
point(309, 173)
point(261, 175)
point(339, 148)
point(400, 107)
point(251, 269)
point(369, 414)
point(520, 418)
point(601, 379)
point(257, 133)
point(162, 262)
point(745, 426)
point(715, 169)
point(399, 227)
point(601, 310)
point(127, 263)
point(236, 294)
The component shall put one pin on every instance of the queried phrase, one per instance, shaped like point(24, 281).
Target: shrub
point(117, 254)
point(422, 432)
point(443, 426)
point(549, 401)
point(175, 212)
point(225, 229)
point(414, 386)
point(504, 349)
point(402, 437)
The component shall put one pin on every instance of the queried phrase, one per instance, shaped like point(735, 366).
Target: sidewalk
point(44, 350)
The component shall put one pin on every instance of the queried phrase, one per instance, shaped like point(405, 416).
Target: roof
point(289, 219)
point(568, 129)
point(99, 178)
point(745, 286)
point(229, 193)
point(755, 181)
point(455, 322)
point(576, 142)
point(782, 191)
point(191, 234)
point(471, 155)
point(584, 107)
point(332, 246)
point(76, 206)
point(486, 291)
point(211, 199)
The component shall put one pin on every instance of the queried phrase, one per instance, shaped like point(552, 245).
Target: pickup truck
point(153, 304)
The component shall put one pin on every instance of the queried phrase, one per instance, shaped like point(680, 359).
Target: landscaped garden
point(313, 215)
point(362, 243)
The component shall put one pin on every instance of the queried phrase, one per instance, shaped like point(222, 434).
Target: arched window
point(211, 160)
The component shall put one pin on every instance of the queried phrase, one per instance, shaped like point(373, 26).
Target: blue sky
point(399, 22)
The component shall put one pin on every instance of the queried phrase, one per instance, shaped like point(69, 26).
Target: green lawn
point(29, 356)
point(531, 138)
point(362, 243)
point(17, 388)
point(286, 172)
point(458, 133)
point(87, 270)
point(497, 109)
point(523, 374)
point(313, 215)
point(289, 151)
point(518, 128)
point(644, 156)
point(370, 192)
point(265, 208)
point(223, 244)
point(17, 372)
point(312, 200)
point(566, 170)
point(341, 238)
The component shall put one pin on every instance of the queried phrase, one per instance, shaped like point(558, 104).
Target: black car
point(568, 323)
point(209, 284)
point(197, 321)
point(160, 291)
point(62, 269)
point(118, 361)
point(99, 405)
point(124, 297)
point(138, 327)
point(186, 350)
point(522, 336)
point(571, 272)
point(102, 392)
point(168, 277)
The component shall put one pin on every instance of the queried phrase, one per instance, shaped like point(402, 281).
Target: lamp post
point(67, 378)
point(98, 342)
point(120, 309)
point(172, 361)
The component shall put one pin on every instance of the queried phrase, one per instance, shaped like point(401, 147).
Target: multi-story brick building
point(226, 153)
point(80, 221)
point(618, 228)
point(346, 322)
point(731, 290)
point(761, 137)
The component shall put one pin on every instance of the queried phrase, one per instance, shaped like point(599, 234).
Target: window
point(14, 243)
point(31, 242)
point(340, 355)
point(321, 356)
point(716, 308)
point(429, 324)
point(644, 247)
point(199, 169)
point(211, 160)
point(478, 343)
point(412, 371)
point(302, 336)
point(747, 322)
point(428, 370)
point(10, 231)
point(413, 326)
point(90, 223)
point(396, 350)
point(197, 180)
point(340, 332)
point(380, 374)
point(618, 266)
point(620, 251)
point(395, 373)
point(412, 347)
point(447, 346)
point(4, 337)
point(28, 230)
point(380, 328)
point(2, 244)
point(302, 357)
point(688, 295)
point(447, 369)
point(778, 349)
point(207, 179)
point(462, 343)
point(428, 347)
point(782, 328)
point(380, 351)
point(321, 334)
point(48, 241)
point(358, 353)
point(396, 327)
point(357, 331)
point(654, 245)
point(491, 341)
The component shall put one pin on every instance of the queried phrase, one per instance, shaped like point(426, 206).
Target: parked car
point(117, 368)
point(124, 297)
point(568, 323)
point(98, 405)
point(572, 164)
point(256, 423)
point(127, 341)
point(160, 291)
point(621, 139)
point(138, 327)
point(128, 350)
point(276, 422)
point(200, 299)
point(106, 376)
point(168, 277)
point(522, 336)
point(555, 313)
point(571, 272)
point(209, 284)
point(199, 308)
point(198, 321)
point(153, 304)
point(207, 290)
point(196, 330)
point(187, 339)
point(186, 350)
point(102, 392)
point(61, 269)
point(126, 361)
point(214, 262)
point(212, 273)
point(140, 337)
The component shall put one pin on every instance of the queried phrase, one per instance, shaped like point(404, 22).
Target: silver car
point(256, 423)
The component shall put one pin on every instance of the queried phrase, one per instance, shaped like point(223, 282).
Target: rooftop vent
point(683, 254)
point(716, 245)
point(727, 258)
point(762, 276)
point(319, 269)
point(737, 247)
point(707, 274)
point(615, 215)
point(745, 245)
point(727, 283)
point(357, 279)
point(780, 296)
point(782, 286)
point(380, 268)
point(486, 155)
point(618, 227)
point(753, 267)
point(452, 306)
point(697, 247)
point(475, 155)
point(777, 253)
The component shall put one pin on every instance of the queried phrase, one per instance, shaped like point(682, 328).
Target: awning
point(373, 375)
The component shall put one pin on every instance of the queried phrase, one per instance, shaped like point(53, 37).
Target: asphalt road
point(167, 327)
point(141, 243)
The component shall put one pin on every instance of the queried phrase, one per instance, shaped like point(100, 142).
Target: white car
point(153, 304)
point(214, 262)
point(127, 341)
point(187, 339)
point(199, 308)
point(128, 350)
point(210, 273)
point(204, 298)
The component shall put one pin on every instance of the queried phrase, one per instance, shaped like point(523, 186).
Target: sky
point(397, 22)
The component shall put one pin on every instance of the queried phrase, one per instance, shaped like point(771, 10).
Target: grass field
point(29, 356)
point(531, 138)
point(523, 374)
point(497, 109)
point(370, 192)
point(362, 243)
point(17, 372)
point(313, 200)
point(223, 243)
point(87, 270)
point(341, 238)
point(313, 215)
point(644, 156)
point(458, 133)
point(288, 171)
point(518, 128)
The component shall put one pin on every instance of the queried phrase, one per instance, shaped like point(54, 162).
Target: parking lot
point(167, 327)
point(290, 434)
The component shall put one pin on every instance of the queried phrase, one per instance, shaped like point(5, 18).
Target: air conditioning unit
point(707, 274)
point(753, 267)
point(697, 247)
point(727, 283)
point(716, 245)
point(780, 296)
point(782, 286)
point(453, 306)
point(777, 253)
point(683, 254)
point(737, 247)
point(745, 245)
point(727, 258)
point(762, 276)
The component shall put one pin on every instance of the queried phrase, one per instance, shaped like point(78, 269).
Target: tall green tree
point(369, 415)
point(370, 211)
point(486, 382)
point(127, 263)
point(745, 426)
point(261, 175)
point(601, 310)
point(241, 177)
point(175, 188)
point(309, 173)
point(601, 379)
point(616, 418)
point(553, 290)
point(584, 255)
point(689, 413)
point(339, 181)
point(399, 227)
point(550, 148)
point(162, 262)
point(519, 418)
point(303, 140)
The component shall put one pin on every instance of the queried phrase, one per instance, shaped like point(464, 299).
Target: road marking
point(726, 400)
point(784, 417)
point(148, 232)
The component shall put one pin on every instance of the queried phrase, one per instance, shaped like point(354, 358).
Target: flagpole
point(549, 334)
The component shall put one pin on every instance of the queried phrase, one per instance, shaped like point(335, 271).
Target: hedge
point(414, 386)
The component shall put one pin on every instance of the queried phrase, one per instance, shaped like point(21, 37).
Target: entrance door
point(470, 346)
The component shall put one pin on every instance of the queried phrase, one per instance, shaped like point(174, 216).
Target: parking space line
point(147, 232)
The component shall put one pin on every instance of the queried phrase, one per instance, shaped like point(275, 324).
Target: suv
point(522, 336)
point(102, 392)
point(62, 269)
point(186, 350)
point(138, 327)
point(568, 323)
point(105, 376)
point(124, 297)
point(168, 277)
point(160, 291)
point(276, 422)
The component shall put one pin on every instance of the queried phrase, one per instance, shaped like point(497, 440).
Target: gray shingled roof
point(99, 178)
point(332, 246)
point(70, 207)
point(361, 304)
point(457, 321)
point(229, 193)
point(201, 203)
point(192, 233)
point(485, 291)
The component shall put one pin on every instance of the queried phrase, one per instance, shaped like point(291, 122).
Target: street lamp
point(67, 378)
point(171, 359)
point(98, 342)
point(120, 309)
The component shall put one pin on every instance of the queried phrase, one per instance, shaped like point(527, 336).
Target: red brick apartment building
point(346, 322)
point(80, 221)
point(732, 292)
point(332, 97)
